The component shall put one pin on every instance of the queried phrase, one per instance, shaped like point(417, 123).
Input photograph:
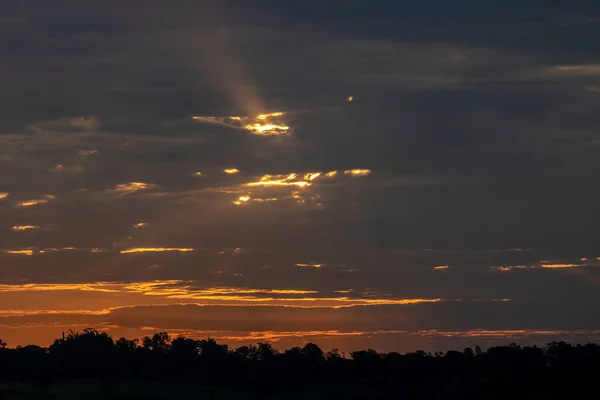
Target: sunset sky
point(384, 174)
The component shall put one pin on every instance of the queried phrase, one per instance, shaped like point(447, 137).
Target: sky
point(358, 174)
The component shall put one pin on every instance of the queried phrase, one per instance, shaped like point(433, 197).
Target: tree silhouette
point(125, 345)
point(500, 372)
point(159, 342)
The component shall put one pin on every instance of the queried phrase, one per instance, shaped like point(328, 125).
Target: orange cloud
point(156, 250)
point(24, 227)
point(132, 187)
point(35, 202)
point(358, 172)
point(311, 265)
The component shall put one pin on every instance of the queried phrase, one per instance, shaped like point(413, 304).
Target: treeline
point(558, 368)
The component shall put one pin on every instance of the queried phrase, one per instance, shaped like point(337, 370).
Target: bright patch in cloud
point(24, 252)
point(140, 225)
point(24, 227)
point(358, 172)
point(582, 262)
point(241, 200)
point(35, 202)
point(560, 265)
point(281, 180)
point(231, 171)
point(441, 267)
point(132, 187)
point(156, 250)
point(311, 265)
point(3, 195)
point(268, 124)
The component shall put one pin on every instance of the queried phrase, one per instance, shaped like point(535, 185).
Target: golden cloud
point(24, 252)
point(3, 195)
point(156, 250)
point(267, 124)
point(24, 227)
point(358, 172)
point(132, 187)
point(35, 202)
point(311, 265)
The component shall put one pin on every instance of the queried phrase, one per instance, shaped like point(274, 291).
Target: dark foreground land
point(90, 365)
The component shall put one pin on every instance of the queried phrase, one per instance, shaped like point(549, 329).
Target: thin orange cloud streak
point(311, 265)
point(35, 202)
point(157, 250)
point(20, 228)
point(25, 252)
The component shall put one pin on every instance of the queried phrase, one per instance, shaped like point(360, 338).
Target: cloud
point(585, 70)
point(67, 168)
point(268, 124)
point(20, 228)
point(77, 124)
point(35, 202)
point(87, 153)
point(156, 250)
point(133, 187)
point(311, 265)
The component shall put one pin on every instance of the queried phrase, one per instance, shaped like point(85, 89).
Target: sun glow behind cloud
point(267, 124)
